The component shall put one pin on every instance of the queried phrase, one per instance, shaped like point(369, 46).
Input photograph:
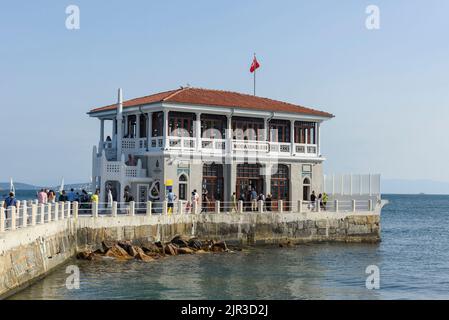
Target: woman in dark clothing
point(268, 202)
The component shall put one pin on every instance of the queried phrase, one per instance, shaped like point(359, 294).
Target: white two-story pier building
point(212, 141)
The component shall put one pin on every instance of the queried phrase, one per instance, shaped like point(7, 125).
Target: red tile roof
point(197, 96)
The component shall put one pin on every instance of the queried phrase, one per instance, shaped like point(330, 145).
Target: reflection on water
point(413, 259)
point(304, 272)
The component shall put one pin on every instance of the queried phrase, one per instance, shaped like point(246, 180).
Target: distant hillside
point(18, 186)
point(25, 186)
point(402, 186)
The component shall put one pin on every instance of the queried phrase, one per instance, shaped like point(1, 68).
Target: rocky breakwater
point(148, 251)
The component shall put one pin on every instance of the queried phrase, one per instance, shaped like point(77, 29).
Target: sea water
point(413, 260)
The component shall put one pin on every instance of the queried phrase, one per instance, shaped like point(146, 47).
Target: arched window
point(306, 189)
point(182, 190)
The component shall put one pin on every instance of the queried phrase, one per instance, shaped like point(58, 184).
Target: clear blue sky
point(388, 88)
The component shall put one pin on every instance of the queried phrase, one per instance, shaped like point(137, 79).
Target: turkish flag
point(255, 65)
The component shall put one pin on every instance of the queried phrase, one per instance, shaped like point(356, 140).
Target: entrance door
point(280, 187)
point(248, 178)
point(213, 185)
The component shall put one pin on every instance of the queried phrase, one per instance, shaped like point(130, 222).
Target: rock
point(219, 247)
point(99, 251)
point(118, 252)
point(159, 244)
point(140, 255)
point(107, 244)
point(180, 241)
point(185, 251)
point(125, 245)
point(84, 255)
point(144, 257)
point(132, 250)
point(150, 247)
point(195, 243)
point(171, 249)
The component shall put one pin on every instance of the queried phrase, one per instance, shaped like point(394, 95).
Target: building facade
point(215, 142)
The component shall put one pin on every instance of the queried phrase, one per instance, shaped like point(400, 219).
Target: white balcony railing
point(117, 169)
point(189, 144)
point(250, 146)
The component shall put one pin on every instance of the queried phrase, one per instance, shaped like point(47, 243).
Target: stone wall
point(28, 254)
point(246, 229)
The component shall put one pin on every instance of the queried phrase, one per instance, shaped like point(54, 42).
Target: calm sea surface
point(413, 258)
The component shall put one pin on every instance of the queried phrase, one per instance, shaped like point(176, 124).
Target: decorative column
point(150, 129)
point(292, 136)
point(266, 130)
point(114, 132)
point(228, 134)
point(198, 131)
point(126, 133)
point(137, 126)
point(119, 119)
point(166, 133)
point(318, 139)
point(101, 144)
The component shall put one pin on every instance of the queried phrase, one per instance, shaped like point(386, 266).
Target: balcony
point(115, 170)
point(138, 146)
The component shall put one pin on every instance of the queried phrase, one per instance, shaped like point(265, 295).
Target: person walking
point(195, 201)
point(42, 197)
point(51, 195)
point(312, 200)
point(320, 201)
point(268, 202)
point(10, 201)
point(95, 196)
point(171, 197)
point(204, 201)
point(325, 199)
point(234, 208)
point(71, 196)
point(253, 200)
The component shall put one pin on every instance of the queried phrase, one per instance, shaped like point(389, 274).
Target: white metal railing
point(352, 184)
point(30, 213)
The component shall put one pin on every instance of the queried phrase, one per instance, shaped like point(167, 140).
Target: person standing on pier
point(234, 202)
point(63, 197)
point(71, 196)
point(10, 201)
point(312, 200)
point(42, 197)
point(253, 196)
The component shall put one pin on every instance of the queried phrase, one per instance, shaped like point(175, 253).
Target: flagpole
point(255, 70)
point(254, 82)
